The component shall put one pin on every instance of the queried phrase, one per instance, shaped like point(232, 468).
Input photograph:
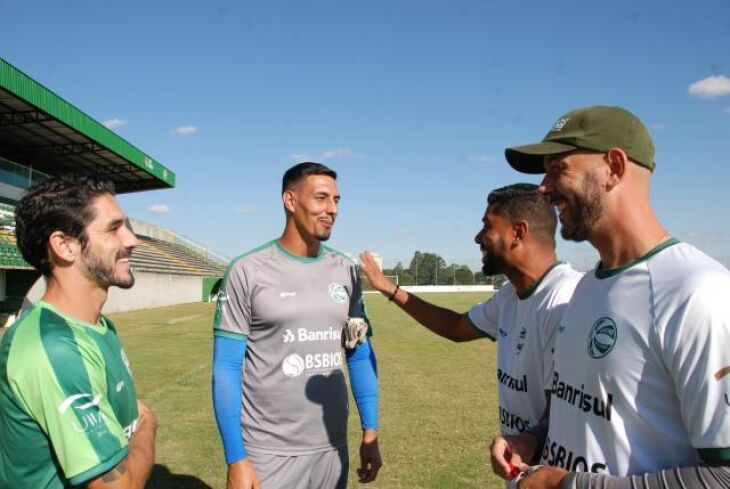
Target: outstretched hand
point(373, 273)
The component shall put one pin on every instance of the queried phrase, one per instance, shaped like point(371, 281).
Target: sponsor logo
point(559, 124)
point(511, 421)
point(295, 365)
point(303, 335)
point(148, 163)
point(338, 293)
point(502, 333)
point(125, 361)
point(120, 386)
point(602, 337)
point(521, 340)
point(561, 328)
point(581, 400)
point(519, 385)
point(130, 429)
point(87, 420)
point(286, 295)
point(555, 454)
point(69, 401)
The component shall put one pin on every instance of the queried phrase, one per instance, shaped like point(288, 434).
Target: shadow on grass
point(162, 478)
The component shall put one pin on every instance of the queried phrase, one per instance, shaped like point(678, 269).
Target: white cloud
point(114, 123)
point(710, 87)
point(244, 210)
point(339, 153)
point(479, 159)
point(330, 154)
point(159, 209)
point(727, 110)
point(299, 157)
point(184, 130)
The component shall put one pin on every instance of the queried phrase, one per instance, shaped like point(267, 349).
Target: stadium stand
point(43, 136)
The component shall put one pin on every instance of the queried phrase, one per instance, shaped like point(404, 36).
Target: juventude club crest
point(338, 293)
point(602, 338)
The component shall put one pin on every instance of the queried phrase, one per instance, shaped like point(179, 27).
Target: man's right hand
point(241, 475)
point(375, 276)
point(511, 451)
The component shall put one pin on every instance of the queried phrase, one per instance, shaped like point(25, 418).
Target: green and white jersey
point(525, 328)
point(67, 400)
point(293, 310)
point(641, 367)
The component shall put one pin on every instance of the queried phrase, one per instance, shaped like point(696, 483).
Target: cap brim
point(528, 158)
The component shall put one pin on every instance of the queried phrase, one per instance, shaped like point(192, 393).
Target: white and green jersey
point(67, 400)
point(641, 367)
point(525, 328)
point(292, 310)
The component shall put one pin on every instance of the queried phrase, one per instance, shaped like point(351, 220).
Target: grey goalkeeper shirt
point(292, 309)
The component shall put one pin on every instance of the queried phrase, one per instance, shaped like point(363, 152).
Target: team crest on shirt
point(521, 340)
point(602, 337)
point(337, 293)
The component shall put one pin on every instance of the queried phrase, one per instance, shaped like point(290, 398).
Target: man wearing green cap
point(641, 382)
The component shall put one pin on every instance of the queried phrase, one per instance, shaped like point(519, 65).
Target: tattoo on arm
point(116, 472)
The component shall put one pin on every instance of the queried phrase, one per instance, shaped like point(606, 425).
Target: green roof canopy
point(41, 130)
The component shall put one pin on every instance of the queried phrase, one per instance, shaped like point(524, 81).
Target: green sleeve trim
point(714, 454)
point(229, 334)
point(100, 469)
point(479, 330)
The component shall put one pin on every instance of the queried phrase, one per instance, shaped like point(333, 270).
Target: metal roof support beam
point(24, 117)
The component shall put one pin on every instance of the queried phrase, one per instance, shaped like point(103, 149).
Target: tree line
point(431, 269)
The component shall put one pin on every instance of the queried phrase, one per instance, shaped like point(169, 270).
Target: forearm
point(141, 456)
point(228, 355)
point(362, 366)
point(444, 322)
point(702, 476)
point(134, 470)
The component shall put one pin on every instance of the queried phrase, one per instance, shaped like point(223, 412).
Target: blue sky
point(411, 102)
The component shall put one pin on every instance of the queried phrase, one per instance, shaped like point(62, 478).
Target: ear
point(617, 161)
point(63, 247)
point(519, 231)
point(289, 200)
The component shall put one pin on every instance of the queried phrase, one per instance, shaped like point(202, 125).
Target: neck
point(297, 245)
point(626, 237)
point(527, 272)
point(81, 300)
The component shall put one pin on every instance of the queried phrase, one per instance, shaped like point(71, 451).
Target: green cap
point(595, 128)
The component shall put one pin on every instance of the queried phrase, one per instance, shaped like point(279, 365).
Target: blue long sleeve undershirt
point(363, 370)
point(228, 358)
point(228, 355)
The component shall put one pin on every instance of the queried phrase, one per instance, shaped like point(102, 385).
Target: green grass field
point(438, 401)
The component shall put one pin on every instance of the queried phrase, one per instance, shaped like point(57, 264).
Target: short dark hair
point(522, 201)
point(57, 204)
point(302, 170)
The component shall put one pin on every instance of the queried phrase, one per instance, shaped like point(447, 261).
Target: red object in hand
point(513, 471)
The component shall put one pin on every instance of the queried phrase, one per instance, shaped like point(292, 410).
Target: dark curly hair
point(58, 204)
point(302, 170)
point(522, 201)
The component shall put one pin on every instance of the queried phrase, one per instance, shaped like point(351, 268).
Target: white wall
point(443, 288)
point(150, 290)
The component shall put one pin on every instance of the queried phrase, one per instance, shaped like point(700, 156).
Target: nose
point(546, 186)
point(129, 239)
point(332, 208)
point(478, 237)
